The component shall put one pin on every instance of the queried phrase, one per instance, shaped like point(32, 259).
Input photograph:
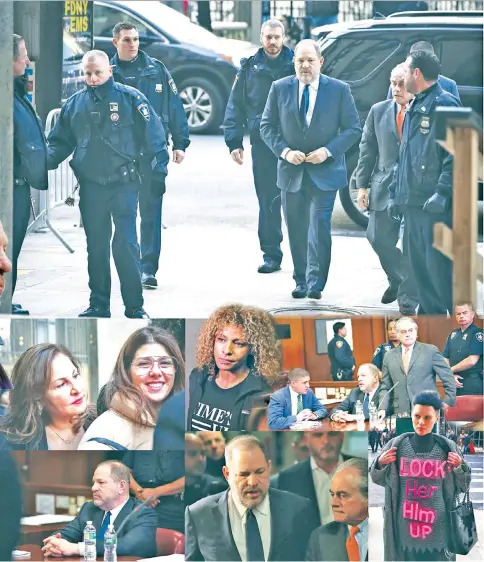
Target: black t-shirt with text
point(214, 410)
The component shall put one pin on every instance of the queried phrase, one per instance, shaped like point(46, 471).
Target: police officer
point(384, 347)
point(421, 189)
point(108, 126)
point(340, 354)
point(244, 110)
point(29, 156)
point(161, 475)
point(135, 68)
point(463, 352)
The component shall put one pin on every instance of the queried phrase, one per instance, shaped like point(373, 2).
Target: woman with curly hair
point(149, 369)
point(49, 406)
point(237, 354)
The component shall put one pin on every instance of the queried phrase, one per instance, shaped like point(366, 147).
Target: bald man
point(309, 122)
point(106, 126)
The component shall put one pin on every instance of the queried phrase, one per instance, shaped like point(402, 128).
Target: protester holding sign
point(421, 473)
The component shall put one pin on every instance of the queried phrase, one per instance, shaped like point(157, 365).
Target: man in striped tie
point(345, 538)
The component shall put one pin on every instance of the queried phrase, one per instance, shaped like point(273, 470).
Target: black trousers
point(264, 169)
point(308, 215)
point(431, 270)
point(21, 217)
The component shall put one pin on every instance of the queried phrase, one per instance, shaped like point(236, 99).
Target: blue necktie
point(255, 550)
point(104, 526)
point(366, 406)
point(303, 108)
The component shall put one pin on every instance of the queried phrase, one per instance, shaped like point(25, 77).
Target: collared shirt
point(294, 396)
point(114, 513)
point(322, 484)
point(313, 94)
point(372, 393)
point(362, 538)
point(409, 352)
point(238, 519)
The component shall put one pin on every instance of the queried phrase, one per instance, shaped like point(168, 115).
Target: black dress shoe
point(390, 295)
point(149, 281)
point(95, 312)
point(18, 310)
point(269, 266)
point(136, 313)
point(314, 294)
point(299, 292)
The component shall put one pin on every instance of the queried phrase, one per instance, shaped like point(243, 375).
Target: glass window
point(357, 58)
point(469, 73)
point(106, 17)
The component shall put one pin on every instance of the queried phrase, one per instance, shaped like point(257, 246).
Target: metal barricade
point(61, 185)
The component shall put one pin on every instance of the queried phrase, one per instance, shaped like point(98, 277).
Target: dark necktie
point(299, 403)
point(303, 108)
point(366, 406)
point(255, 550)
point(104, 526)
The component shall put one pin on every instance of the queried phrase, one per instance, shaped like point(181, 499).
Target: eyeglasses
point(144, 365)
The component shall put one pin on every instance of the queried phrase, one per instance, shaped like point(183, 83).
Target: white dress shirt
point(372, 393)
point(362, 538)
point(114, 513)
point(294, 396)
point(322, 484)
point(238, 519)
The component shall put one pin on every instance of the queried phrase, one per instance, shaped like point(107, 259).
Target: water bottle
point(373, 415)
point(110, 545)
point(360, 416)
point(90, 542)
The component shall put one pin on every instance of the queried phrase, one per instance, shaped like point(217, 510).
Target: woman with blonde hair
point(48, 406)
point(238, 356)
point(149, 369)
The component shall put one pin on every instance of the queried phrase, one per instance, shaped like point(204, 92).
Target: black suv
point(363, 54)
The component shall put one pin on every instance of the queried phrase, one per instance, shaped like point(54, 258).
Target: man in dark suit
point(412, 367)
point(379, 149)
point(250, 521)
point(445, 83)
point(311, 478)
point(111, 505)
point(346, 538)
point(309, 122)
point(294, 403)
point(11, 511)
point(367, 392)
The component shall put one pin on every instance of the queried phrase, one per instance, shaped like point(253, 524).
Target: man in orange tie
point(345, 538)
point(379, 149)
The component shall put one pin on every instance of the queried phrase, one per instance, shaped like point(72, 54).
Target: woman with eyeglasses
point(48, 406)
point(149, 369)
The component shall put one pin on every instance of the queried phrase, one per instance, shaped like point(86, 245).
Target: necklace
point(66, 441)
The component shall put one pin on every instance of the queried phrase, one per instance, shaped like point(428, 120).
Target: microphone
point(135, 510)
point(389, 390)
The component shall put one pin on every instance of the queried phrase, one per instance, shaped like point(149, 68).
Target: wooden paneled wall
point(368, 333)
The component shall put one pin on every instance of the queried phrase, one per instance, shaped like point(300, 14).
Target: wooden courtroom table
point(35, 534)
point(38, 556)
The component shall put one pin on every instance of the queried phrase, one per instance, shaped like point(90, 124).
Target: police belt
point(125, 174)
point(155, 484)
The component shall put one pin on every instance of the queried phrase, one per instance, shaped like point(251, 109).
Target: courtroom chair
point(169, 542)
point(467, 408)
point(280, 381)
point(258, 420)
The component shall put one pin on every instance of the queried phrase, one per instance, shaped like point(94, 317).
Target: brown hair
point(259, 331)
point(5, 383)
point(120, 382)
point(297, 374)
point(26, 418)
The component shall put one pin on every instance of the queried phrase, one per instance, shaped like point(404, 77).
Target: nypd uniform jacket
point(341, 358)
point(424, 167)
point(459, 345)
point(108, 128)
point(156, 83)
point(380, 353)
point(249, 95)
point(29, 144)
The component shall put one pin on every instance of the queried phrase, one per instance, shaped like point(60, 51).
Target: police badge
point(113, 106)
point(159, 88)
point(425, 126)
point(452, 336)
point(115, 117)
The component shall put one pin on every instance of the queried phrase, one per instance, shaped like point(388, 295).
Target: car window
point(469, 73)
point(357, 58)
point(106, 17)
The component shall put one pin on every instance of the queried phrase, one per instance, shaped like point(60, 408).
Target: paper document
point(46, 519)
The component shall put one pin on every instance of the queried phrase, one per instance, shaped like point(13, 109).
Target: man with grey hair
point(250, 521)
point(294, 403)
point(107, 126)
point(345, 538)
point(309, 122)
point(379, 149)
point(111, 505)
point(244, 110)
point(410, 368)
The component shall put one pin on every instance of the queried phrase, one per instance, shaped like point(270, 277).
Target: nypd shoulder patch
point(144, 110)
point(376, 352)
point(339, 343)
point(172, 84)
point(479, 336)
